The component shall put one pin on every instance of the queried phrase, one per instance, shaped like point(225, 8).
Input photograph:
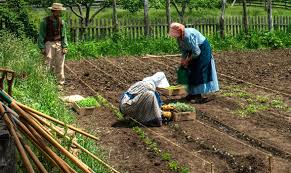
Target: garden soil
point(221, 136)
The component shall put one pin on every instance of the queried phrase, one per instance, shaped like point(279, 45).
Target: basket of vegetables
point(86, 106)
point(183, 112)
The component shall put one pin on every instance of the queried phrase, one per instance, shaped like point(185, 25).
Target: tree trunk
point(245, 17)
point(146, 18)
point(168, 13)
point(270, 19)
point(222, 34)
point(115, 22)
point(87, 18)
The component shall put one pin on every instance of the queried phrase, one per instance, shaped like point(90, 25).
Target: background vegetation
point(37, 88)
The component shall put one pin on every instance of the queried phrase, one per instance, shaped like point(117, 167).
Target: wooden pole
point(76, 144)
point(39, 142)
point(222, 33)
point(19, 146)
point(25, 115)
point(245, 17)
point(28, 109)
point(38, 164)
point(115, 22)
point(270, 19)
point(168, 13)
point(270, 163)
point(146, 18)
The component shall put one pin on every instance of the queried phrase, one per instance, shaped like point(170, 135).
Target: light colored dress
point(140, 102)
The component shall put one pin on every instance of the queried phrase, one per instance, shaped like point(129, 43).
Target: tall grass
point(35, 87)
point(122, 47)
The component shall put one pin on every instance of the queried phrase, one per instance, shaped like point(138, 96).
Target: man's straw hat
point(57, 7)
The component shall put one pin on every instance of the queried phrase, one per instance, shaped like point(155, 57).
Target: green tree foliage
point(131, 5)
point(202, 4)
point(135, 5)
point(16, 19)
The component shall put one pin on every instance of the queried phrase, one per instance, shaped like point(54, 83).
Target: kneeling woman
point(142, 103)
point(197, 62)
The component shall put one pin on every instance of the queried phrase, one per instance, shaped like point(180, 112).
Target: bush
point(16, 19)
point(120, 46)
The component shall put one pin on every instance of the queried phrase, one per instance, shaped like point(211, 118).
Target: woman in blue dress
point(197, 62)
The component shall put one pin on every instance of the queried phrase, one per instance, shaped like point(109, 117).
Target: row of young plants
point(36, 87)
point(119, 45)
point(252, 103)
point(150, 143)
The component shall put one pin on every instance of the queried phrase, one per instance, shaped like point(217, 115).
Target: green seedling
point(173, 165)
point(166, 156)
point(244, 95)
point(88, 102)
point(184, 170)
point(182, 107)
point(262, 99)
point(278, 104)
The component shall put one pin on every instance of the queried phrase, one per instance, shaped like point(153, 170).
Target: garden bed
point(211, 141)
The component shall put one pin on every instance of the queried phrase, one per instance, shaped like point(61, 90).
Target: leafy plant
point(173, 165)
point(166, 156)
point(279, 104)
point(183, 107)
point(88, 102)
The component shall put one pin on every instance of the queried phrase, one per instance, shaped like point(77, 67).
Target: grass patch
point(120, 45)
point(35, 87)
point(88, 102)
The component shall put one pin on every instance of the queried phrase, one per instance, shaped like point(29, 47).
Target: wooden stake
point(28, 109)
point(26, 116)
point(211, 167)
point(19, 146)
point(270, 163)
point(38, 164)
point(76, 144)
point(44, 148)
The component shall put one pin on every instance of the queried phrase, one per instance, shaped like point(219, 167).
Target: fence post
point(146, 17)
point(115, 22)
point(245, 19)
point(270, 20)
point(168, 14)
point(222, 34)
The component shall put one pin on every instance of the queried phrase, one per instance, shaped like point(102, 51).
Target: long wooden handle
point(38, 164)
point(76, 144)
point(28, 109)
point(26, 116)
point(39, 142)
point(19, 146)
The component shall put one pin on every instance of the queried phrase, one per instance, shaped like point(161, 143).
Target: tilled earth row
point(213, 142)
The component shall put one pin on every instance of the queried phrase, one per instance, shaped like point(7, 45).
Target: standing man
point(53, 42)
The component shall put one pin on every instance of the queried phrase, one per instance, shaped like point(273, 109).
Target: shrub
point(17, 21)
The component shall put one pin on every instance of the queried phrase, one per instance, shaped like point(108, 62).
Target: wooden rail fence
point(134, 28)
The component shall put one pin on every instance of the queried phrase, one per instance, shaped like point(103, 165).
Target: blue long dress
point(202, 75)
